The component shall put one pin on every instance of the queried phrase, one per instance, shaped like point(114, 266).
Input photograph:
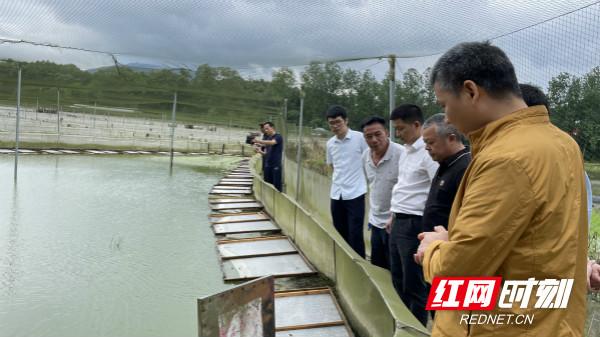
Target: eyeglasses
point(335, 122)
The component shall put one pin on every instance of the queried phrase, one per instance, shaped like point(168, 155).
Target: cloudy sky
point(254, 36)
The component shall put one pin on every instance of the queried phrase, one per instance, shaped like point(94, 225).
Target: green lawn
point(593, 170)
point(595, 226)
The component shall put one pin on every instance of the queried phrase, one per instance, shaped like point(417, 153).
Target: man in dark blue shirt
point(273, 155)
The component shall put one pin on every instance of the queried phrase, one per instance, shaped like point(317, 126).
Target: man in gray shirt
point(380, 162)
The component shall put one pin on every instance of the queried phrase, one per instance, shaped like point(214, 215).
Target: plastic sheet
point(230, 192)
point(302, 310)
point(229, 206)
point(330, 331)
point(278, 265)
point(245, 227)
point(244, 248)
point(230, 200)
point(239, 218)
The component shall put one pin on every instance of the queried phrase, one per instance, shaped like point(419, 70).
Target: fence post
point(392, 88)
point(58, 115)
point(17, 122)
point(285, 137)
point(173, 125)
point(299, 150)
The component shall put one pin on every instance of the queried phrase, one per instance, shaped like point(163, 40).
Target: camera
point(251, 136)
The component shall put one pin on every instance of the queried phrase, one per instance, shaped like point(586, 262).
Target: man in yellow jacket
point(520, 211)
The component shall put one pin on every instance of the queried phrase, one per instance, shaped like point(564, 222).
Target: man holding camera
point(273, 143)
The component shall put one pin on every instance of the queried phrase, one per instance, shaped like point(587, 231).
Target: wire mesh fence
point(73, 128)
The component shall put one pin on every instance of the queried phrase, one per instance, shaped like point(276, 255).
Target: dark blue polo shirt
point(274, 152)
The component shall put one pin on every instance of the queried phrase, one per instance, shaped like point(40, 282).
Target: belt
point(406, 216)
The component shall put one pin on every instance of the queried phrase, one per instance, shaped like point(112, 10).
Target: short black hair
point(533, 95)
point(372, 120)
point(335, 111)
point(408, 113)
point(486, 65)
point(268, 123)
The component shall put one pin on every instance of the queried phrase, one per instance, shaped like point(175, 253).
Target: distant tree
point(283, 82)
point(575, 108)
point(205, 77)
point(322, 85)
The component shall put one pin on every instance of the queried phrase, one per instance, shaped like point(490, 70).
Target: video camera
point(251, 136)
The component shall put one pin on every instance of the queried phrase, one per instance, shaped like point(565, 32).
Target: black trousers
point(380, 247)
point(407, 275)
point(273, 176)
point(348, 218)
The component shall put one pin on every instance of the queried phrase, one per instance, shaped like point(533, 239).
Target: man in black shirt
point(273, 154)
point(444, 144)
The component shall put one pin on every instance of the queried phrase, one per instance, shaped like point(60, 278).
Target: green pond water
point(106, 245)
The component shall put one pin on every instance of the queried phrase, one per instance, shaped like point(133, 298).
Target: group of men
point(513, 204)
point(412, 187)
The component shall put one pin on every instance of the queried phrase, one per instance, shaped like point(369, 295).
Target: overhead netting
point(269, 33)
point(232, 63)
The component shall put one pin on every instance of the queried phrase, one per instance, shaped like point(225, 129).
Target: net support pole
point(17, 126)
point(299, 149)
point(37, 104)
point(173, 128)
point(58, 113)
point(392, 88)
point(285, 133)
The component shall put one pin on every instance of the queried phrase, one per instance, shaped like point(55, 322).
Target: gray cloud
point(255, 34)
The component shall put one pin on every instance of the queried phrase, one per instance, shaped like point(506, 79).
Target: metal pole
point(285, 139)
point(173, 127)
point(229, 131)
point(392, 74)
point(58, 112)
point(94, 122)
point(17, 124)
point(299, 150)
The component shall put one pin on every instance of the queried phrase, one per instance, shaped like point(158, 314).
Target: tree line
point(223, 95)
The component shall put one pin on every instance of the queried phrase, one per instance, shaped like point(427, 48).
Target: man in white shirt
point(415, 174)
point(348, 186)
point(380, 161)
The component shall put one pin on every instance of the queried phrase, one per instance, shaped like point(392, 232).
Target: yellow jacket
point(520, 212)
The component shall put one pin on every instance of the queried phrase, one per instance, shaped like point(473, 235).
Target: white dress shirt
point(346, 157)
point(416, 170)
point(382, 178)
